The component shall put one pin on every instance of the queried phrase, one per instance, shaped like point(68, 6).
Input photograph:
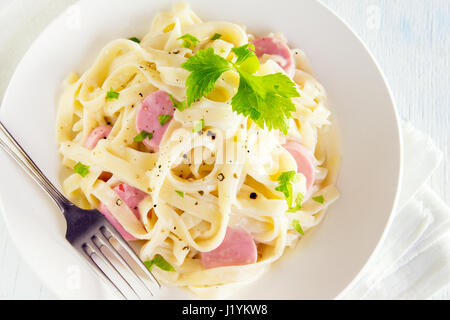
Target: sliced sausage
point(156, 104)
point(109, 216)
point(304, 160)
point(237, 248)
point(276, 47)
point(101, 132)
point(132, 197)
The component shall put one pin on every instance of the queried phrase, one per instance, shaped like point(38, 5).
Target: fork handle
point(24, 160)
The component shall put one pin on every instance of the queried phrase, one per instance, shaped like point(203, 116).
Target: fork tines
point(113, 258)
point(91, 234)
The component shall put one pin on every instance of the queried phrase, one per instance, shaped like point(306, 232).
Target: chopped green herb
point(177, 104)
point(142, 135)
point(189, 41)
point(298, 203)
point(297, 226)
point(111, 94)
point(160, 262)
point(163, 118)
point(206, 67)
point(81, 169)
point(216, 36)
point(285, 185)
point(264, 99)
point(319, 199)
point(198, 126)
point(135, 39)
point(180, 193)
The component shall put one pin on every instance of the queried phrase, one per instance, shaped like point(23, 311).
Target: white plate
point(328, 258)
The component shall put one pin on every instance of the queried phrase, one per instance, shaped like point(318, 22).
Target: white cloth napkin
point(413, 262)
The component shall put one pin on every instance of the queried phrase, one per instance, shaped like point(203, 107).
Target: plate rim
point(400, 149)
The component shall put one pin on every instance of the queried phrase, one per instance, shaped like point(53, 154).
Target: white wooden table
point(409, 38)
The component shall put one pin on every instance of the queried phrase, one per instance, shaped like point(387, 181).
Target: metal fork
point(92, 235)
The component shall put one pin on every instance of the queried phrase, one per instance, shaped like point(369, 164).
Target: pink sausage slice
point(238, 248)
point(276, 47)
point(157, 103)
point(109, 216)
point(132, 197)
point(96, 135)
point(304, 160)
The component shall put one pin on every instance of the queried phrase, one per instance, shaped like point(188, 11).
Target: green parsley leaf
point(81, 169)
point(177, 104)
point(246, 58)
point(160, 262)
point(198, 126)
point(111, 94)
point(297, 226)
point(135, 39)
point(298, 203)
point(244, 52)
point(180, 193)
point(216, 36)
point(189, 41)
point(285, 185)
point(206, 67)
point(266, 99)
point(142, 135)
point(163, 118)
point(319, 199)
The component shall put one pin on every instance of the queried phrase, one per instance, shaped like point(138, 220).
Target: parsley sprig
point(164, 118)
point(160, 262)
point(319, 199)
point(81, 169)
point(180, 193)
point(246, 58)
point(111, 94)
point(298, 203)
point(285, 185)
point(134, 39)
point(265, 99)
point(199, 126)
point(206, 67)
point(216, 36)
point(180, 105)
point(189, 41)
point(297, 226)
point(143, 135)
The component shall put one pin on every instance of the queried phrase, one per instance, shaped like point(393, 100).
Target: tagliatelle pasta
point(196, 182)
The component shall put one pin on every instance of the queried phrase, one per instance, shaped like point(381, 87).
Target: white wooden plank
point(409, 39)
point(17, 281)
